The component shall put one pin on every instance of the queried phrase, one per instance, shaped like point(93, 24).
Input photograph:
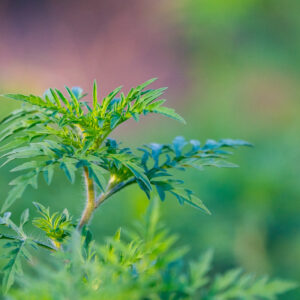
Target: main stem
point(91, 202)
point(90, 199)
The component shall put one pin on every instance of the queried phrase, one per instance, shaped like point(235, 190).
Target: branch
point(110, 192)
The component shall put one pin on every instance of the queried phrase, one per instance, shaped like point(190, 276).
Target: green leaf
point(41, 208)
point(13, 143)
point(13, 267)
point(69, 169)
point(27, 165)
point(199, 270)
point(48, 173)
point(96, 173)
point(196, 202)
point(168, 112)
point(24, 218)
point(95, 95)
point(74, 101)
point(15, 193)
point(64, 100)
point(108, 99)
point(138, 172)
point(78, 92)
point(55, 97)
point(114, 120)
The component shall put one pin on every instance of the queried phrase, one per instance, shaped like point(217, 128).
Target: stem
point(90, 199)
point(92, 203)
point(110, 192)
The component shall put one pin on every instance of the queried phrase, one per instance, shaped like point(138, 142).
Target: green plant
point(53, 132)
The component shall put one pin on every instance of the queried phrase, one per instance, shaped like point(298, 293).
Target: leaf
point(156, 151)
point(77, 92)
point(114, 120)
point(211, 144)
point(41, 208)
point(108, 99)
point(55, 97)
point(95, 172)
point(196, 202)
point(234, 143)
point(64, 100)
point(69, 169)
point(48, 173)
point(95, 95)
point(138, 172)
point(161, 192)
point(178, 143)
point(168, 112)
point(186, 196)
point(195, 144)
point(24, 217)
point(26, 165)
point(74, 101)
point(13, 267)
point(225, 280)
point(146, 83)
point(233, 285)
point(18, 97)
point(199, 270)
point(14, 194)
point(51, 95)
point(13, 144)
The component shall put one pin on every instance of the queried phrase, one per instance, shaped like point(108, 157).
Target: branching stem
point(92, 203)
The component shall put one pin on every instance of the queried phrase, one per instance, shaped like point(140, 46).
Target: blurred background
point(232, 68)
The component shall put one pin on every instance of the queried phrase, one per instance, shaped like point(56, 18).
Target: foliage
point(18, 246)
point(55, 131)
point(144, 266)
point(56, 226)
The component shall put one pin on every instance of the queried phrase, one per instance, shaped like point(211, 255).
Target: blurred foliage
point(243, 68)
point(145, 265)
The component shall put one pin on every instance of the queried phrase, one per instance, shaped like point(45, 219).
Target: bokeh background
point(232, 68)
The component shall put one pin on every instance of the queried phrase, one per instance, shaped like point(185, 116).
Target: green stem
point(90, 200)
point(92, 203)
point(110, 192)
